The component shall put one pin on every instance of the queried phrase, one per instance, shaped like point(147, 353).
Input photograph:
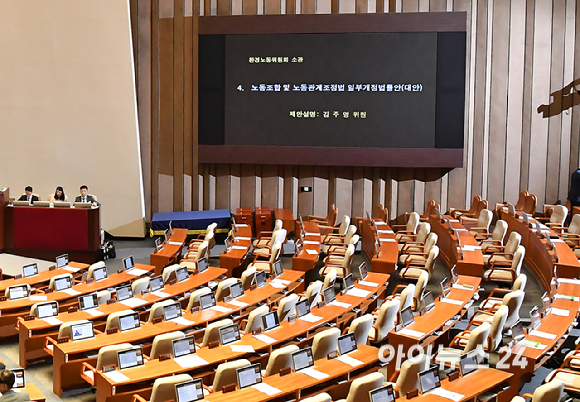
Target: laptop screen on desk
point(260, 278)
point(517, 331)
point(467, 363)
point(158, 244)
point(182, 274)
point(270, 321)
point(228, 243)
point(229, 334)
point(535, 316)
point(29, 270)
point(347, 343)
point(156, 283)
point(302, 308)
point(348, 281)
point(18, 378)
point(202, 264)
point(128, 263)
point(99, 274)
point(45, 310)
point(382, 394)
point(278, 270)
point(18, 292)
point(166, 236)
point(124, 293)
point(171, 311)
point(428, 300)
point(302, 359)
point(82, 331)
point(362, 269)
point(184, 346)
point(248, 376)
point(429, 379)
point(206, 301)
point(445, 287)
point(87, 302)
point(129, 322)
point(62, 261)
point(329, 295)
point(130, 358)
point(407, 317)
point(236, 290)
point(189, 391)
point(62, 283)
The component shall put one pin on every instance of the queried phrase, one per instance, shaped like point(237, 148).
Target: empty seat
point(280, 358)
point(325, 342)
point(163, 343)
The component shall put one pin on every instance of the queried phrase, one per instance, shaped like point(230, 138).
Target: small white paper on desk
point(452, 301)
point(443, 393)
point(567, 297)
point(453, 220)
point(277, 285)
point(531, 344)
point(569, 280)
point(175, 243)
point(470, 247)
point(340, 304)
point(560, 311)
point(190, 361)
point(242, 348)
point(346, 359)
point(311, 234)
point(356, 292)
point(239, 247)
point(94, 312)
point(264, 338)
point(310, 242)
point(385, 231)
point(541, 334)
point(410, 332)
point(388, 240)
point(221, 309)
point(237, 303)
point(284, 281)
point(309, 251)
point(463, 287)
point(311, 372)
point(241, 225)
point(243, 238)
point(71, 269)
point(182, 321)
point(310, 318)
point(38, 298)
point(116, 376)
point(266, 389)
point(71, 292)
point(557, 240)
point(159, 293)
point(133, 302)
point(52, 320)
point(136, 272)
point(369, 284)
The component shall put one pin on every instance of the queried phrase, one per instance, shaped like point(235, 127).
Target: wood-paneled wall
point(522, 118)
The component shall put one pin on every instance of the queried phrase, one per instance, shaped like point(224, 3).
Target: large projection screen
point(68, 105)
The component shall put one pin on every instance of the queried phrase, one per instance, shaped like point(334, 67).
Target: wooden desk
point(263, 217)
point(32, 390)
point(242, 241)
point(306, 261)
point(42, 279)
point(386, 261)
point(538, 257)
point(285, 215)
point(471, 263)
point(142, 377)
point(69, 357)
point(244, 216)
point(32, 334)
point(170, 253)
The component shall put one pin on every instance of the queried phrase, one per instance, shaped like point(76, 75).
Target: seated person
point(58, 195)
point(28, 196)
point(85, 196)
point(6, 382)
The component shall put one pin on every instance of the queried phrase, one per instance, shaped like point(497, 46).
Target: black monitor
point(382, 394)
point(237, 290)
point(18, 292)
point(270, 321)
point(278, 269)
point(87, 302)
point(172, 311)
point(229, 334)
point(467, 363)
point(207, 301)
point(248, 376)
point(348, 281)
point(130, 358)
point(260, 278)
point(302, 359)
point(130, 321)
point(128, 263)
point(362, 269)
point(182, 274)
point(347, 343)
point(429, 379)
point(62, 261)
point(329, 295)
point(100, 274)
point(29, 270)
point(82, 331)
point(18, 378)
point(156, 283)
point(45, 310)
point(407, 317)
point(124, 292)
point(189, 391)
point(62, 283)
point(202, 264)
point(302, 308)
point(184, 346)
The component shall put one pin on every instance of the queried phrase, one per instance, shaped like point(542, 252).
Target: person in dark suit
point(28, 196)
point(85, 196)
point(6, 383)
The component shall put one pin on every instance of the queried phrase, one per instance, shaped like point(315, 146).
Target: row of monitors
point(56, 204)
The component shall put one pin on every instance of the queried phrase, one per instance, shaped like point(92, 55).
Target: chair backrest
point(103, 296)
point(482, 205)
point(325, 342)
point(413, 222)
point(499, 231)
point(574, 227)
point(382, 213)
point(212, 332)
point(477, 337)
point(278, 224)
point(559, 214)
point(430, 242)
point(349, 233)
point(248, 276)
point(387, 319)
point(322, 397)
point(194, 297)
point(531, 204)
point(54, 278)
point(223, 288)
point(520, 282)
point(419, 290)
point(329, 278)
point(344, 225)
point(280, 358)
point(513, 242)
point(164, 388)
point(360, 388)
point(484, 220)
point(113, 319)
point(407, 296)
point(433, 254)
point(157, 309)
point(514, 302)
point(550, 392)
point(210, 239)
point(332, 214)
point(354, 239)
point(163, 344)
point(430, 208)
point(312, 293)
point(92, 267)
point(287, 306)
point(521, 200)
point(226, 373)
point(423, 231)
point(496, 331)
point(347, 260)
point(275, 254)
point(167, 271)
point(280, 236)
point(361, 327)
point(140, 285)
point(64, 330)
point(108, 354)
point(255, 318)
point(408, 378)
point(202, 251)
point(474, 205)
point(518, 259)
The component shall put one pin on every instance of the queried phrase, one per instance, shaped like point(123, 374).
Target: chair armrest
point(265, 234)
point(87, 367)
point(243, 324)
point(498, 290)
point(526, 395)
point(416, 262)
point(138, 398)
point(394, 376)
point(395, 290)
point(48, 341)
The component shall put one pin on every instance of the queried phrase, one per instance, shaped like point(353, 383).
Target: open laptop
point(124, 292)
point(18, 292)
point(128, 263)
point(302, 308)
point(87, 302)
point(172, 311)
point(85, 205)
point(229, 334)
point(62, 283)
point(302, 359)
point(429, 380)
point(445, 290)
point(270, 321)
point(278, 269)
point(347, 343)
point(260, 278)
point(43, 204)
point(18, 378)
point(100, 274)
point(236, 290)
point(189, 391)
point(184, 346)
point(248, 376)
point(429, 301)
point(62, 261)
point(158, 244)
point(130, 321)
point(467, 363)
point(82, 331)
point(156, 283)
point(182, 274)
point(29, 270)
point(228, 243)
point(362, 269)
point(61, 204)
point(130, 358)
point(202, 265)
point(406, 316)
point(45, 310)
point(21, 203)
point(329, 295)
point(535, 316)
point(511, 209)
point(207, 301)
point(518, 332)
point(348, 281)
point(382, 394)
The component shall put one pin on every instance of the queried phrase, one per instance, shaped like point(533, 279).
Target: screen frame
point(196, 382)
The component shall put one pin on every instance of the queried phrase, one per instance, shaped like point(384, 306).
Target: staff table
point(385, 260)
point(308, 257)
point(170, 253)
point(241, 243)
point(194, 222)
